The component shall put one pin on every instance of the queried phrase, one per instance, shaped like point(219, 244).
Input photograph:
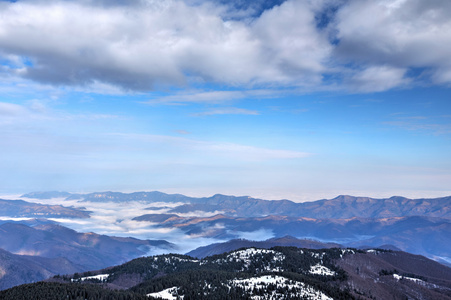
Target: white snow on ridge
point(247, 255)
point(302, 289)
point(321, 270)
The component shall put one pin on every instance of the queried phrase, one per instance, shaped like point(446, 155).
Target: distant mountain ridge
point(219, 248)
point(341, 207)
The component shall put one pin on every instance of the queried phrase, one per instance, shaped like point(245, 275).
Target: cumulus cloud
point(396, 34)
point(151, 43)
point(114, 46)
point(377, 78)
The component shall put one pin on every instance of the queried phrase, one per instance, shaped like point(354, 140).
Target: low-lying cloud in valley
point(115, 219)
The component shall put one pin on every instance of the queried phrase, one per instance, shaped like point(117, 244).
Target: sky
point(295, 99)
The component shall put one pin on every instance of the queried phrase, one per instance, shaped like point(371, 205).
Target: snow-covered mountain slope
point(252, 273)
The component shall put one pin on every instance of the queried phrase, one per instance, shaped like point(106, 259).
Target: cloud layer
point(362, 46)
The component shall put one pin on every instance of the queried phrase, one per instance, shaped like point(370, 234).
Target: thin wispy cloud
point(213, 97)
point(437, 129)
point(200, 97)
point(436, 125)
point(216, 149)
point(227, 111)
point(37, 112)
point(181, 131)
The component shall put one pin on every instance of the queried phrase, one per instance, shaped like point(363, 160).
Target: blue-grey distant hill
point(23, 209)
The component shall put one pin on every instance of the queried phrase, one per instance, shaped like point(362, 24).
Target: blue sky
point(287, 99)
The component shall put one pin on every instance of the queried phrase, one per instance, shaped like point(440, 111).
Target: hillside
point(88, 250)
point(20, 269)
point(276, 273)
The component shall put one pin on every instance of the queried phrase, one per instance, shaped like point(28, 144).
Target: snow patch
point(101, 277)
point(247, 256)
point(168, 294)
point(417, 281)
point(321, 270)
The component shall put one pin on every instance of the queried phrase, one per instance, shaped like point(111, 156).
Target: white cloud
point(377, 79)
